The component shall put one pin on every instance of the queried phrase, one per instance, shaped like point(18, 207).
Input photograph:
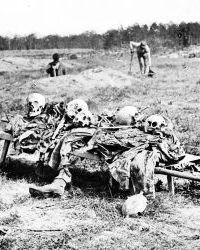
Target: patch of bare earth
point(87, 220)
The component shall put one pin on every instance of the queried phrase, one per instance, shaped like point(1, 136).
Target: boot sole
point(37, 193)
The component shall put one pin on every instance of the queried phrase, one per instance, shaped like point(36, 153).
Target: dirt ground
point(87, 218)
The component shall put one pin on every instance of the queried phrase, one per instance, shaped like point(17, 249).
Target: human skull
point(35, 104)
point(155, 123)
point(126, 115)
point(134, 204)
point(84, 118)
point(76, 106)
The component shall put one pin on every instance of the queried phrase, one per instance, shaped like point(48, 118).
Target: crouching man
point(143, 54)
point(56, 68)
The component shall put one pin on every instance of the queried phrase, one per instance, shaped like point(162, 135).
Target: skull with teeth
point(76, 106)
point(84, 119)
point(126, 115)
point(155, 123)
point(35, 104)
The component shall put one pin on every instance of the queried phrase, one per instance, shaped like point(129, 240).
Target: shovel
point(130, 66)
point(151, 73)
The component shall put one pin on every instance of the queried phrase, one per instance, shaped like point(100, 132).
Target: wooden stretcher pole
point(175, 173)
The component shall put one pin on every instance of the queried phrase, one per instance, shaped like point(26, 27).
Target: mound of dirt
point(85, 81)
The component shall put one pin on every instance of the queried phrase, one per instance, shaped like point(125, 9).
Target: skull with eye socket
point(74, 107)
point(35, 104)
point(155, 123)
point(84, 119)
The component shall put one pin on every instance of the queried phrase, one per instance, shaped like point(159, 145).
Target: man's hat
point(56, 57)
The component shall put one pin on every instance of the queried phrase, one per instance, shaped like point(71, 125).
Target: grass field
point(85, 218)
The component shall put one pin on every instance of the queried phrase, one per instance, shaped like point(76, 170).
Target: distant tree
point(154, 29)
point(184, 34)
point(111, 39)
point(4, 43)
point(30, 41)
point(135, 32)
point(158, 35)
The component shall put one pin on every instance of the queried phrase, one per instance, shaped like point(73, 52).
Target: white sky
point(64, 17)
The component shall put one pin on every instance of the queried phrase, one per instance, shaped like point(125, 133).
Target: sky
point(66, 17)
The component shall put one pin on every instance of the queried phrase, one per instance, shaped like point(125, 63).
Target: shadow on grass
point(92, 183)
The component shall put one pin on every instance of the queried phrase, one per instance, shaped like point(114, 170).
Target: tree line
point(158, 35)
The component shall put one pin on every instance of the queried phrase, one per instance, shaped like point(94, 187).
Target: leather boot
point(55, 189)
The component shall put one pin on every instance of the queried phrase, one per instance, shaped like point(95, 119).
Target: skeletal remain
point(76, 106)
point(134, 204)
point(35, 104)
point(60, 126)
point(84, 118)
point(127, 115)
point(155, 123)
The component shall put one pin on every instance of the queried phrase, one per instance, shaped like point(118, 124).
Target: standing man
point(56, 68)
point(143, 54)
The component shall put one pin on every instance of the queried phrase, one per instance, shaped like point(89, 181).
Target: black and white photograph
point(100, 125)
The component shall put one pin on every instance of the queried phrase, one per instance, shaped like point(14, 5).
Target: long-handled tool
point(131, 62)
point(151, 73)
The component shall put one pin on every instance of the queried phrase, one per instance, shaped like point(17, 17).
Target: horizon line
point(38, 35)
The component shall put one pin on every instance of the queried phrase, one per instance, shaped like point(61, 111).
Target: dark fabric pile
point(127, 153)
point(132, 153)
